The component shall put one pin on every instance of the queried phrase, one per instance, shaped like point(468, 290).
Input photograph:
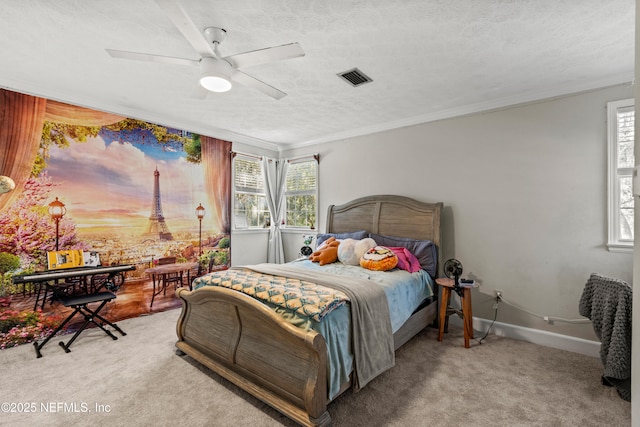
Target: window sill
point(250, 230)
point(620, 248)
point(299, 230)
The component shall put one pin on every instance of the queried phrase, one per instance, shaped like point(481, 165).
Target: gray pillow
point(425, 250)
point(356, 235)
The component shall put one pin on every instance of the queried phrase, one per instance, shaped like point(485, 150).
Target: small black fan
point(306, 249)
point(453, 270)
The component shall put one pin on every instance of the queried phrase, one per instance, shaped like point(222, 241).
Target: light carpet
point(138, 380)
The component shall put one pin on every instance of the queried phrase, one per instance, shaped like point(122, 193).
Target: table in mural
point(164, 275)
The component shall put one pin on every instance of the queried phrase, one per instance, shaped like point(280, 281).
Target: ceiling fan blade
point(263, 56)
point(254, 83)
point(136, 56)
point(183, 22)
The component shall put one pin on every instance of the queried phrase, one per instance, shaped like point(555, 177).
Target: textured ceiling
point(428, 60)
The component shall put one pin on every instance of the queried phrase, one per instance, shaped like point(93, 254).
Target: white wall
point(249, 247)
point(524, 191)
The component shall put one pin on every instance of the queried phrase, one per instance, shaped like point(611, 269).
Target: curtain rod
point(293, 159)
point(315, 156)
point(234, 153)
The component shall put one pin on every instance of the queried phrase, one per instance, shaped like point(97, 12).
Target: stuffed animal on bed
point(351, 250)
point(379, 258)
point(327, 252)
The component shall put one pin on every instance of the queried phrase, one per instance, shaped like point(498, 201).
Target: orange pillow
point(379, 258)
point(327, 253)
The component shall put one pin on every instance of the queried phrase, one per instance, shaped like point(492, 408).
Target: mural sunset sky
point(107, 186)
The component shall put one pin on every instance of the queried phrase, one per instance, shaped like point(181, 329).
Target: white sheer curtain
point(275, 173)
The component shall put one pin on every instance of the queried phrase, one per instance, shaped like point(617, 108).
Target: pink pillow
point(406, 260)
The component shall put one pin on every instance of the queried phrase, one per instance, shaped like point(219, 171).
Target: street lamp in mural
point(200, 215)
point(57, 211)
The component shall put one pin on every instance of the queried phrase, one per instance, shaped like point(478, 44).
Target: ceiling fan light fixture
point(215, 75)
point(215, 83)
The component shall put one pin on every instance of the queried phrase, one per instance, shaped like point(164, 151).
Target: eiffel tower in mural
point(157, 228)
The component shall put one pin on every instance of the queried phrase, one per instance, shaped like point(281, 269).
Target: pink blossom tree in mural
point(27, 230)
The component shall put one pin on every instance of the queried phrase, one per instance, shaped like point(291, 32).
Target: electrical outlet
point(498, 294)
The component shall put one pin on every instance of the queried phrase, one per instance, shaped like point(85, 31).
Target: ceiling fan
point(216, 72)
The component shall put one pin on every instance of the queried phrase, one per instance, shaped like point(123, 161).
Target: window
point(301, 193)
point(249, 203)
point(621, 164)
point(250, 207)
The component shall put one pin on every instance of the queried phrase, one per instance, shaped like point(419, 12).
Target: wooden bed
point(247, 343)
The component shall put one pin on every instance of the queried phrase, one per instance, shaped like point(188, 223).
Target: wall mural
point(133, 193)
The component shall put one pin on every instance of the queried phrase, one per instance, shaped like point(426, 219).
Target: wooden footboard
point(245, 342)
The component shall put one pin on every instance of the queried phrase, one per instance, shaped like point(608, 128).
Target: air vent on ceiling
point(355, 77)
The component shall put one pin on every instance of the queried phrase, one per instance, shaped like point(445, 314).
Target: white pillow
point(350, 250)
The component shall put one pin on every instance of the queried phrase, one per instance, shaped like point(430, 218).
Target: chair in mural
point(174, 278)
point(163, 278)
point(69, 287)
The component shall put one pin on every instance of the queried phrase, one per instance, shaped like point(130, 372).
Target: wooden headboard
point(389, 215)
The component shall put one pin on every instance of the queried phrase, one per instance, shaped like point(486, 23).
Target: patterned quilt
point(303, 297)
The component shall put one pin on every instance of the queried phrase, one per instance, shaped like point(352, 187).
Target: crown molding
point(482, 107)
point(476, 108)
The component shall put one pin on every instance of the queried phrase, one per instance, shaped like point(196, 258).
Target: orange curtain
point(21, 121)
point(60, 112)
point(216, 165)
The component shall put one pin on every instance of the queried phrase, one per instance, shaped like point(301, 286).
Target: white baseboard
point(535, 336)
